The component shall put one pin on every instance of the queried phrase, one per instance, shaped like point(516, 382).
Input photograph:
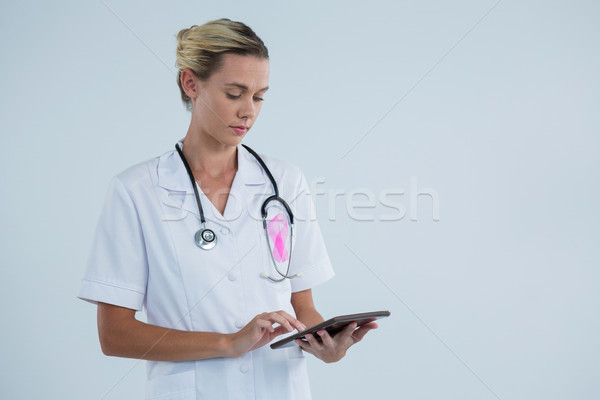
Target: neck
point(209, 158)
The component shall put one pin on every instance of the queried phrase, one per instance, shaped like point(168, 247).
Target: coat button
point(232, 276)
point(239, 324)
point(244, 368)
point(225, 231)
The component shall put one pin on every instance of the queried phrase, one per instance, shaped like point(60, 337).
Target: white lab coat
point(144, 255)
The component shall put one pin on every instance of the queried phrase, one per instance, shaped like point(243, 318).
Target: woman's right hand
point(261, 331)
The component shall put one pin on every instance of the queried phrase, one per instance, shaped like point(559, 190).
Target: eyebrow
point(244, 87)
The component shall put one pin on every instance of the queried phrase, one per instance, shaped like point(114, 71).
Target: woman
point(216, 283)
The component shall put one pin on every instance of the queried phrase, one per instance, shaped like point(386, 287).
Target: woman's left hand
point(332, 349)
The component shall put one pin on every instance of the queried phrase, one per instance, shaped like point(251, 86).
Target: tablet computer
point(333, 326)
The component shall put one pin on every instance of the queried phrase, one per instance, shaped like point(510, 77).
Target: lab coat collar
point(179, 193)
point(173, 176)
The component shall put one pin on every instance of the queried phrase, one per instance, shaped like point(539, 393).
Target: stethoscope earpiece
point(266, 275)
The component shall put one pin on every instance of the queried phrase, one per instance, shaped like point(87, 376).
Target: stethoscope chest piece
point(205, 239)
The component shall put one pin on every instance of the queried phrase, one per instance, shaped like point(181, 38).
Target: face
point(227, 104)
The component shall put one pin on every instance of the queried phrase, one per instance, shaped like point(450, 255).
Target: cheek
point(224, 109)
point(214, 113)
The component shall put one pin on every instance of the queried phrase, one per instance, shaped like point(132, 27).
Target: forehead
point(250, 71)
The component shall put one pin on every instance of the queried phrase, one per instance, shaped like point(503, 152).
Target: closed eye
point(235, 97)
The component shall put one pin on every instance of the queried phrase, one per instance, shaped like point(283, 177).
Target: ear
point(189, 83)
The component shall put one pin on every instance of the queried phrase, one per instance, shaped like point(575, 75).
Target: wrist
point(228, 345)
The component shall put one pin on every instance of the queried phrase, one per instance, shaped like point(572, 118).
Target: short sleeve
point(117, 268)
point(309, 254)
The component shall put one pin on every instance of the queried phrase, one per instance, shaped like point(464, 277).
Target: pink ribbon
point(277, 229)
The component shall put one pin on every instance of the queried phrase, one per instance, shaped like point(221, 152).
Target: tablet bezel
point(333, 326)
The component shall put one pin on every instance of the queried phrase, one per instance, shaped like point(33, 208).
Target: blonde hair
point(201, 48)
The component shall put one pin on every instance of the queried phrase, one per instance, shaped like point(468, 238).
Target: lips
point(240, 129)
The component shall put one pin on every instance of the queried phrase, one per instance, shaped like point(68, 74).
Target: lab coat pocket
point(297, 370)
point(295, 352)
point(268, 268)
point(180, 386)
point(283, 286)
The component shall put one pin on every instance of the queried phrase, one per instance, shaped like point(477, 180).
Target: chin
point(238, 138)
point(233, 142)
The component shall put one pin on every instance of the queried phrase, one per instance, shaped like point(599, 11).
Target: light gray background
point(493, 106)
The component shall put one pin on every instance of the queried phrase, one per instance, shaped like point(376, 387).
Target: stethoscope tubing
point(206, 238)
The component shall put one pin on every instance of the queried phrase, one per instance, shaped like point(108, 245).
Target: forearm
point(122, 336)
point(309, 317)
point(305, 309)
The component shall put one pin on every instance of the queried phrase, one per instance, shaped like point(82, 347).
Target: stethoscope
point(206, 238)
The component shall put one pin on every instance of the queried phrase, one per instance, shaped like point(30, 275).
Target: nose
point(248, 110)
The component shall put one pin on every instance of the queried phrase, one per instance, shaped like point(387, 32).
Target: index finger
point(277, 318)
point(293, 321)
